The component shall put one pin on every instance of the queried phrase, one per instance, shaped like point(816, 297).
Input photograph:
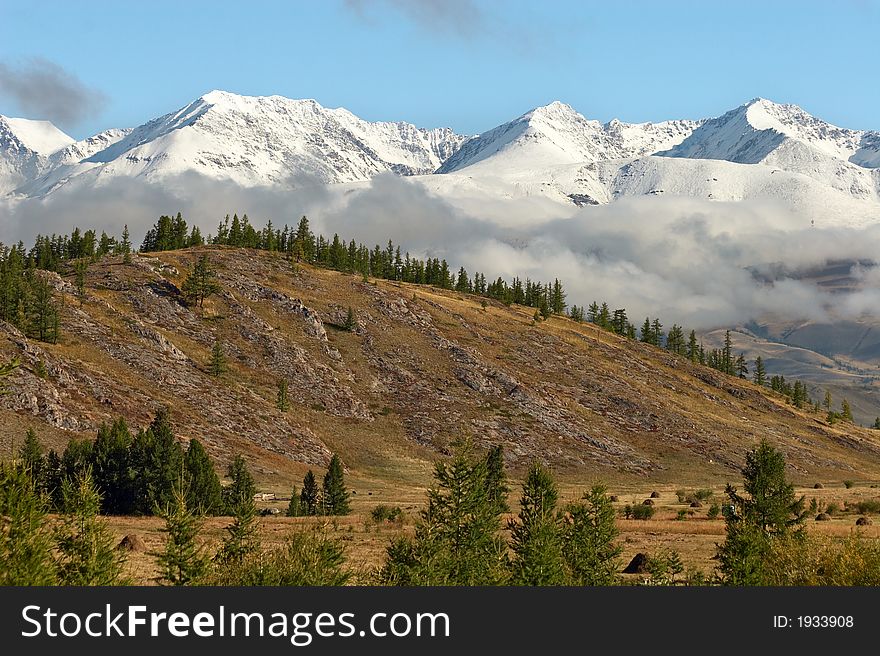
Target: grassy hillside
point(422, 368)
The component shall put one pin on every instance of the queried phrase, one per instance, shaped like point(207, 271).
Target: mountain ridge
point(764, 150)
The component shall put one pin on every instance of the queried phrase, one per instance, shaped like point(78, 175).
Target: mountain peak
point(41, 137)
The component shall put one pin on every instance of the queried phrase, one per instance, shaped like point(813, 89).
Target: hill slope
point(423, 368)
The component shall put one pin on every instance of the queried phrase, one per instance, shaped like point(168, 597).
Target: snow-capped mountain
point(788, 138)
point(255, 141)
point(556, 134)
point(25, 149)
point(760, 150)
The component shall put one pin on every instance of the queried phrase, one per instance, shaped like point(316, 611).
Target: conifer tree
point(770, 511)
point(876, 423)
point(241, 487)
point(293, 509)
point(826, 403)
point(456, 540)
point(25, 541)
point(80, 269)
point(242, 537)
point(308, 498)
point(112, 468)
point(157, 460)
point(760, 375)
point(350, 323)
point(204, 492)
point(282, 402)
point(588, 539)
point(335, 498)
point(30, 457)
point(496, 480)
point(201, 283)
point(846, 411)
point(183, 560)
point(86, 553)
point(125, 246)
point(217, 366)
point(535, 536)
point(693, 350)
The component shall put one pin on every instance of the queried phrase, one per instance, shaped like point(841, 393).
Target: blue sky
point(468, 64)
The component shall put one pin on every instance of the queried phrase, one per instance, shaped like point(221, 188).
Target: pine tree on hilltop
point(335, 498)
point(846, 411)
point(760, 375)
point(201, 283)
point(693, 349)
point(125, 246)
point(308, 498)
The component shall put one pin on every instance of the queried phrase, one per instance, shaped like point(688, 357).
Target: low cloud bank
point(699, 263)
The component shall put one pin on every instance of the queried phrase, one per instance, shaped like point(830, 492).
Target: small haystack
point(131, 542)
point(638, 565)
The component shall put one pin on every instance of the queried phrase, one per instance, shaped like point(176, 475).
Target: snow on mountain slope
point(268, 140)
point(25, 146)
point(787, 137)
point(729, 181)
point(80, 150)
point(556, 135)
point(39, 136)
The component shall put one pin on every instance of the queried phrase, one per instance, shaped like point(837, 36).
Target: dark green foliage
point(588, 540)
point(770, 511)
point(760, 375)
point(305, 559)
point(25, 541)
point(846, 411)
point(496, 480)
point(456, 540)
point(293, 509)
point(382, 513)
point(241, 488)
point(183, 560)
point(201, 283)
point(536, 536)
point(80, 268)
point(86, 553)
point(6, 370)
point(204, 493)
point(113, 472)
point(335, 498)
point(641, 511)
point(30, 457)
point(157, 458)
point(167, 234)
point(241, 535)
point(309, 497)
point(282, 402)
point(217, 366)
point(350, 323)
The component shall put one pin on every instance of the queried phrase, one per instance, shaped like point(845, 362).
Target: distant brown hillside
point(422, 368)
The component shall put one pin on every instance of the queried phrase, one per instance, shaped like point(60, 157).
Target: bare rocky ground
point(423, 368)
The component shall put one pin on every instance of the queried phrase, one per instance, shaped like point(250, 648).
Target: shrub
point(640, 511)
point(682, 515)
point(867, 506)
point(305, 559)
point(848, 484)
point(714, 511)
point(382, 513)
